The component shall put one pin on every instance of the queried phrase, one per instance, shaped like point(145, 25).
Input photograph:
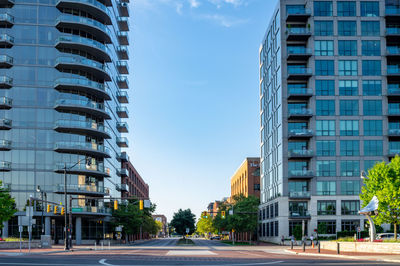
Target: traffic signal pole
point(66, 246)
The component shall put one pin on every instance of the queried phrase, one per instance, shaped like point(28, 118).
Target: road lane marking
point(103, 262)
point(190, 253)
point(251, 254)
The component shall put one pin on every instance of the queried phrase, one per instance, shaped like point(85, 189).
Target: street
point(166, 252)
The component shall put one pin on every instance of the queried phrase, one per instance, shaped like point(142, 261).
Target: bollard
point(319, 247)
point(109, 244)
point(312, 243)
point(95, 247)
point(291, 244)
point(102, 246)
point(304, 246)
point(338, 248)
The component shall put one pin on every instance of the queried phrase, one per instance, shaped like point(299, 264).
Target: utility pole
point(66, 246)
point(70, 221)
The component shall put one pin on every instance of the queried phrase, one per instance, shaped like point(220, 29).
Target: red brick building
point(132, 184)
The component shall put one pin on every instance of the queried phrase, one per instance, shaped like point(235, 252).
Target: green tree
point(183, 219)
point(205, 225)
point(383, 181)
point(297, 231)
point(7, 205)
point(322, 228)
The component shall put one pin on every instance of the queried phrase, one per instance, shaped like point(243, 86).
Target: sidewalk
point(345, 255)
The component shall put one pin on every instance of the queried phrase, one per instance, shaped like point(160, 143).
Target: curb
point(340, 256)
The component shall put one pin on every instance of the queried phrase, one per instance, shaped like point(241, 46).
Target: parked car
point(386, 236)
point(215, 238)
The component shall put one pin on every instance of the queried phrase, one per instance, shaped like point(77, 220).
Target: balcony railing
point(294, 214)
point(298, 50)
point(392, 31)
point(5, 101)
point(300, 91)
point(91, 3)
point(81, 61)
point(6, 82)
point(394, 132)
point(123, 67)
point(98, 169)
point(92, 107)
point(5, 166)
point(300, 132)
point(393, 152)
point(299, 71)
point(122, 142)
point(84, 84)
point(306, 112)
point(89, 126)
point(299, 194)
point(6, 60)
point(300, 153)
point(393, 69)
point(122, 96)
point(393, 50)
point(5, 123)
point(5, 144)
point(6, 38)
point(298, 11)
point(82, 146)
point(81, 188)
point(89, 209)
point(301, 173)
point(393, 90)
point(7, 19)
point(97, 46)
point(298, 30)
point(392, 10)
point(394, 111)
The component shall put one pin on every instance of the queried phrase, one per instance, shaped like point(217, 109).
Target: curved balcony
point(5, 82)
point(84, 148)
point(5, 145)
point(123, 38)
point(7, 3)
point(94, 7)
point(92, 26)
point(122, 142)
point(301, 174)
point(99, 70)
point(5, 124)
point(6, 41)
point(5, 103)
point(123, 53)
point(122, 97)
point(122, 112)
point(300, 154)
point(123, 172)
point(83, 169)
point(83, 85)
point(123, 9)
point(89, 107)
point(6, 20)
point(122, 67)
point(122, 127)
point(88, 210)
point(6, 61)
point(82, 128)
point(122, 82)
point(300, 133)
point(123, 23)
point(88, 190)
point(5, 166)
point(84, 44)
point(122, 157)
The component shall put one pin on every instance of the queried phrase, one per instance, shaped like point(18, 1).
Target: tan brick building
point(246, 180)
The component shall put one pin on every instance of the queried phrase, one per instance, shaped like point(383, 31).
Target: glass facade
point(65, 81)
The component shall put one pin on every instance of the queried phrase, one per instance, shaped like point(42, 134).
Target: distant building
point(132, 184)
point(246, 179)
point(161, 218)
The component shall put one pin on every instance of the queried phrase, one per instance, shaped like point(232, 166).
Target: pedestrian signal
point(223, 214)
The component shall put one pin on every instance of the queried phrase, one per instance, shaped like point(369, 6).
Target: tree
point(7, 205)
point(383, 181)
point(205, 225)
point(183, 219)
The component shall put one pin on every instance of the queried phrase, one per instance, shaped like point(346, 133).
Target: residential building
point(162, 219)
point(63, 87)
point(246, 180)
point(329, 87)
point(132, 184)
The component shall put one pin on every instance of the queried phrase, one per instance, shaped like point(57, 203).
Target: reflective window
point(326, 207)
point(325, 107)
point(371, 48)
point(372, 87)
point(373, 147)
point(350, 168)
point(348, 87)
point(327, 226)
point(370, 28)
point(324, 67)
point(349, 128)
point(349, 148)
point(326, 188)
point(371, 67)
point(368, 164)
point(323, 8)
point(348, 68)
point(350, 225)
point(325, 127)
point(346, 8)
point(372, 107)
point(372, 127)
point(350, 207)
point(325, 87)
point(323, 48)
point(350, 187)
point(326, 168)
point(323, 28)
point(326, 148)
point(347, 28)
point(298, 186)
point(348, 107)
point(369, 9)
point(347, 48)
point(295, 9)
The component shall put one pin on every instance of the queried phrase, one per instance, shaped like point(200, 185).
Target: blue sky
point(194, 96)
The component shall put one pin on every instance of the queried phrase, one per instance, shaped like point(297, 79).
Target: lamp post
point(38, 189)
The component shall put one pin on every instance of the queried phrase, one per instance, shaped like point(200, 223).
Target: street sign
point(187, 230)
point(24, 220)
point(230, 212)
point(118, 235)
point(146, 204)
point(20, 228)
point(29, 211)
point(118, 228)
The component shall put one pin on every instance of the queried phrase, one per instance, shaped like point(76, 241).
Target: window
point(350, 187)
point(349, 148)
point(347, 28)
point(325, 127)
point(372, 127)
point(373, 147)
point(394, 147)
point(295, 9)
point(326, 207)
point(369, 9)
point(368, 164)
point(394, 108)
point(326, 168)
point(298, 186)
point(298, 166)
point(327, 227)
point(297, 225)
point(325, 107)
point(372, 87)
point(324, 67)
point(347, 48)
point(348, 67)
point(350, 225)
point(349, 128)
point(346, 8)
point(298, 208)
point(276, 209)
point(323, 48)
point(323, 28)
point(326, 148)
point(348, 107)
point(371, 67)
point(350, 168)
point(372, 107)
point(297, 126)
point(325, 87)
point(348, 87)
point(371, 48)
point(370, 28)
point(350, 207)
point(297, 145)
point(323, 8)
point(326, 188)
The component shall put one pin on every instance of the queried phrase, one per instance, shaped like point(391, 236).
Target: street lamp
point(45, 200)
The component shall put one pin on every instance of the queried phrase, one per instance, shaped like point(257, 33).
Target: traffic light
point(62, 210)
point(115, 204)
point(141, 204)
point(48, 208)
point(223, 214)
point(204, 215)
point(55, 209)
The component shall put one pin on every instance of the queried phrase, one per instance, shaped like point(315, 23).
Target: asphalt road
point(165, 252)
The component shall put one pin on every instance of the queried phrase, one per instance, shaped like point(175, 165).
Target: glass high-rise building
point(63, 66)
point(330, 109)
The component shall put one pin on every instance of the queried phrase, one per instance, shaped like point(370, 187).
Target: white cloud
point(219, 3)
point(224, 21)
point(194, 3)
point(178, 8)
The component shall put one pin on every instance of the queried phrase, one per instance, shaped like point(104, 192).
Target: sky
point(194, 96)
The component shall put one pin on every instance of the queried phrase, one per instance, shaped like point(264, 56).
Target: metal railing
point(82, 145)
point(300, 132)
point(300, 91)
point(299, 70)
point(299, 194)
point(85, 41)
point(300, 112)
point(84, 20)
point(300, 173)
point(293, 153)
point(298, 11)
point(81, 61)
point(81, 188)
point(5, 101)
